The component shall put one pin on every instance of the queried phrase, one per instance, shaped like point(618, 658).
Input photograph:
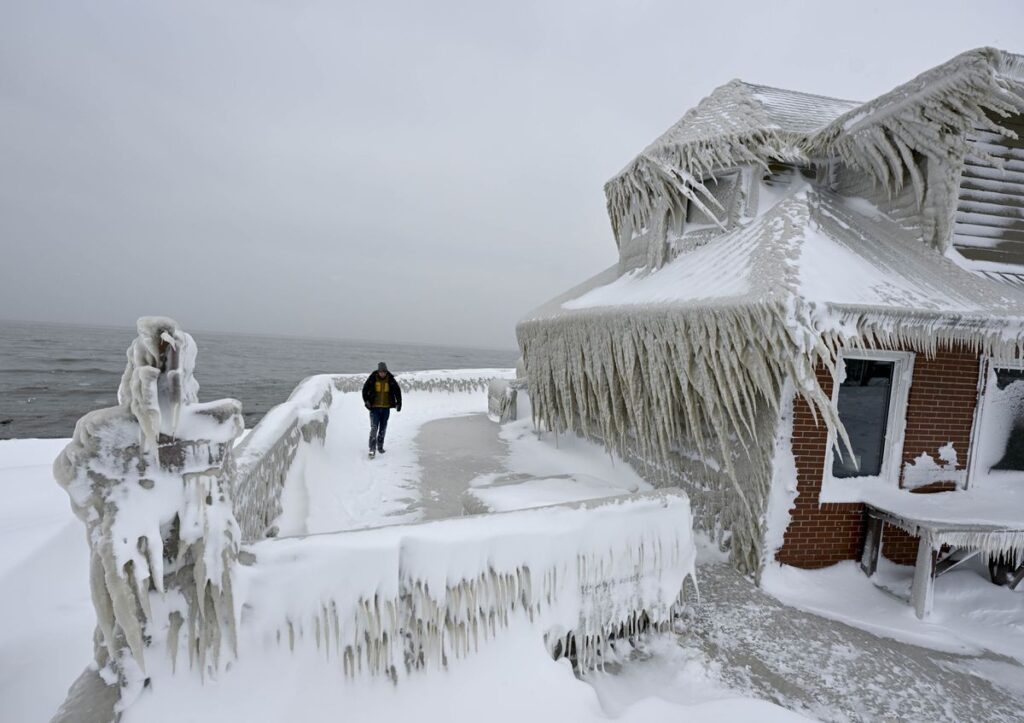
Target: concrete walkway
point(809, 664)
point(452, 452)
point(831, 671)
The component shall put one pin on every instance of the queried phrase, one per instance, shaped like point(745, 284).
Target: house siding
point(940, 410)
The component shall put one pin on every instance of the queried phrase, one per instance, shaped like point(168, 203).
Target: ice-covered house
point(816, 309)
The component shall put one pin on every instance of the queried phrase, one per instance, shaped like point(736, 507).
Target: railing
point(264, 458)
point(416, 596)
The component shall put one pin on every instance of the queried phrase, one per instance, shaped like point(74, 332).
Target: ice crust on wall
point(390, 601)
point(150, 479)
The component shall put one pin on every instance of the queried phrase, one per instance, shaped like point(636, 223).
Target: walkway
point(832, 671)
point(452, 452)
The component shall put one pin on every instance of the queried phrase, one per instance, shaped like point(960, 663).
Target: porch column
point(924, 577)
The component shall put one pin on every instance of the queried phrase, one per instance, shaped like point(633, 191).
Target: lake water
point(51, 374)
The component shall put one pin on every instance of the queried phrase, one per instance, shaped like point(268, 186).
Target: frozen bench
point(943, 546)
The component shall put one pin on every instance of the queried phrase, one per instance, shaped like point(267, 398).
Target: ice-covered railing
point(389, 601)
point(267, 455)
point(502, 399)
point(441, 380)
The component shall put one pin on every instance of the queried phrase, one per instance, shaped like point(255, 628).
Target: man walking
point(380, 393)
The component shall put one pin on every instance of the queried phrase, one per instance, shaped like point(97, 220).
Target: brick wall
point(940, 409)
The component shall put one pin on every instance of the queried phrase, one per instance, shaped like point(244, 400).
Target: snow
point(709, 271)
point(970, 614)
point(545, 491)
point(994, 503)
point(924, 470)
point(46, 625)
point(512, 681)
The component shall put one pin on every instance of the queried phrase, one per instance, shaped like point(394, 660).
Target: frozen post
point(151, 480)
point(924, 577)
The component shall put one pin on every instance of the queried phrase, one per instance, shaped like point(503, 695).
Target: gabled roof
point(741, 123)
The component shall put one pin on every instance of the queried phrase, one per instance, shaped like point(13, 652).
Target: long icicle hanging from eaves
point(647, 382)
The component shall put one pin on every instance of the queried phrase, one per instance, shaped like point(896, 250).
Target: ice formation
point(150, 479)
point(418, 596)
point(680, 362)
point(502, 401)
point(741, 124)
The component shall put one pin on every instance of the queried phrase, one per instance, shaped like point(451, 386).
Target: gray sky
point(421, 172)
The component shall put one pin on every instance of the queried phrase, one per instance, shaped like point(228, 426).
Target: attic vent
point(990, 208)
point(781, 175)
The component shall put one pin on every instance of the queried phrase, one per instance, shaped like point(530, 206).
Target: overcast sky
point(423, 172)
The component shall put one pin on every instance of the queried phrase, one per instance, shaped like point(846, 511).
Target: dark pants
point(378, 426)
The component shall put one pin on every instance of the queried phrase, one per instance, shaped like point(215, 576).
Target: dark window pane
point(1009, 383)
point(864, 411)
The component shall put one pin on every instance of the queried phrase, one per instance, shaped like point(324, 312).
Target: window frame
point(988, 363)
point(895, 430)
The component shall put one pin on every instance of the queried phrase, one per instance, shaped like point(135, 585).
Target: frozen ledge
point(411, 597)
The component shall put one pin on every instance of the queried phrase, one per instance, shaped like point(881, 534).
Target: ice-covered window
point(871, 401)
point(999, 437)
point(864, 398)
point(723, 189)
point(1013, 448)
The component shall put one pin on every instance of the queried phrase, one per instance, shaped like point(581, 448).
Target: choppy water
point(50, 374)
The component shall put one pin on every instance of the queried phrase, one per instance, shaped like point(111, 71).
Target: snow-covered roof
point(741, 123)
point(831, 254)
point(738, 109)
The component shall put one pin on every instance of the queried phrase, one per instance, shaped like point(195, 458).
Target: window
point(1013, 445)
point(872, 401)
point(864, 398)
point(723, 190)
point(997, 441)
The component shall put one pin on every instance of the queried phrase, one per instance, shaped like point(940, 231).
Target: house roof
point(834, 255)
point(740, 123)
point(739, 109)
